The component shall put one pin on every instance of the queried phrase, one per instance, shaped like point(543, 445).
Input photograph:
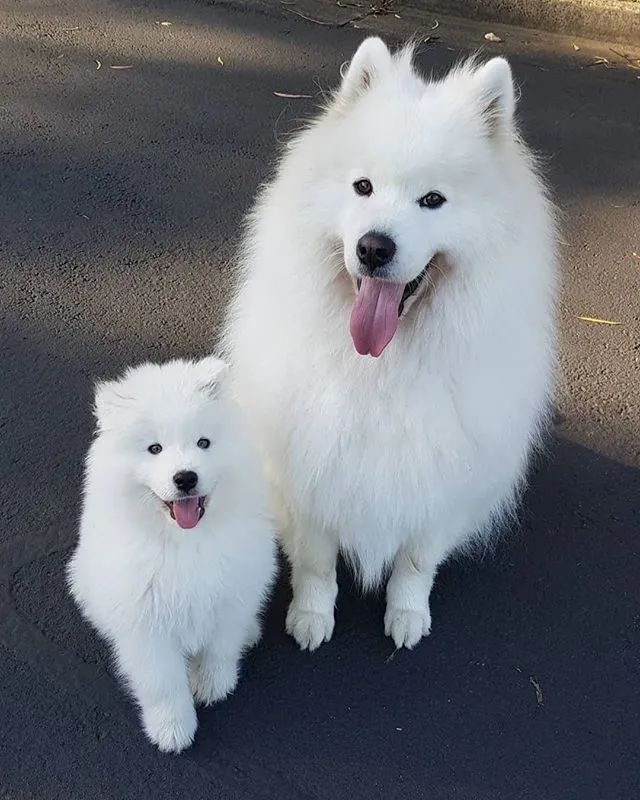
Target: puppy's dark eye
point(203, 443)
point(432, 200)
point(154, 449)
point(363, 187)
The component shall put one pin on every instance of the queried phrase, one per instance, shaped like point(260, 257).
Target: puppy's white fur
point(178, 606)
point(400, 460)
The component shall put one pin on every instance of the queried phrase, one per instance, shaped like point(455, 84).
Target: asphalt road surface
point(121, 195)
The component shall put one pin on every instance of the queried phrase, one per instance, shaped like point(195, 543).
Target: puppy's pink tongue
point(374, 317)
point(186, 512)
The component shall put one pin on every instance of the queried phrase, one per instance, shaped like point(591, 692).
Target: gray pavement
point(121, 194)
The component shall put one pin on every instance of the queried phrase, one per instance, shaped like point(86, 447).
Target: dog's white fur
point(178, 606)
point(402, 460)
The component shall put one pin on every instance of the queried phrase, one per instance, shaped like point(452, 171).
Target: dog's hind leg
point(313, 554)
point(214, 673)
point(408, 618)
point(215, 670)
point(254, 634)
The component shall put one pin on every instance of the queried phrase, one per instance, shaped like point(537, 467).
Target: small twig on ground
point(634, 63)
point(375, 10)
point(598, 321)
point(310, 19)
point(293, 96)
point(538, 690)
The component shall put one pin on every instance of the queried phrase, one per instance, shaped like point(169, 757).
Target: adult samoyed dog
point(392, 339)
point(176, 553)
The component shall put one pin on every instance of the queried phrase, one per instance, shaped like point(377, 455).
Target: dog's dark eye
point(154, 449)
point(431, 200)
point(363, 187)
point(203, 443)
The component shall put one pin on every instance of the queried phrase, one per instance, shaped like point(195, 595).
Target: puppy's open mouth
point(377, 310)
point(186, 511)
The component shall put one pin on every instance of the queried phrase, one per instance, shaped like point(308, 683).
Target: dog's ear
point(494, 86)
point(211, 371)
point(370, 60)
point(108, 401)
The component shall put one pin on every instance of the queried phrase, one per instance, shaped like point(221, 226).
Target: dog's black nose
point(185, 480)
point(375, 250)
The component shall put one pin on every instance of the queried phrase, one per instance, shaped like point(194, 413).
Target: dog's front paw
point(170, 727)
point(406, 627)
point(212, 681)
point(309, 628)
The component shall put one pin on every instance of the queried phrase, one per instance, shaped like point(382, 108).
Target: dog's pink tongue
point(186, 512)
point(374, 317)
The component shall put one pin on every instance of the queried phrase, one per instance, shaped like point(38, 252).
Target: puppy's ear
point(109, 400)
point(211, 372)
point(370, 60)
point(496, 94)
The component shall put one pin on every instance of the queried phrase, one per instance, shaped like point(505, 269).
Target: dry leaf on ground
point(600, 60)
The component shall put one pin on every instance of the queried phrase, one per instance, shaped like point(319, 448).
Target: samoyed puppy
point(392, 339)
point(176, 553)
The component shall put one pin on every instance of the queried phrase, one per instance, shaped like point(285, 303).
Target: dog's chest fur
point(378, 452)
point(184, 584)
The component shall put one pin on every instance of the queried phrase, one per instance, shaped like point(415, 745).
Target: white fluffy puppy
point(176, 553)
point(392, 340)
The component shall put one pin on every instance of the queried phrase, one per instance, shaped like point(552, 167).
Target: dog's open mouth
point(186, 511)
point(411, 288)
point(377, 310)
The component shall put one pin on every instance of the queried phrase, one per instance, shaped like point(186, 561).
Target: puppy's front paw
point(309, 628)
point(170, 726)
point(405, 627)
point(212, 681)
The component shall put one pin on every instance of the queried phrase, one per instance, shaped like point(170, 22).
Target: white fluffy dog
point(407, 223)
point(176, 553)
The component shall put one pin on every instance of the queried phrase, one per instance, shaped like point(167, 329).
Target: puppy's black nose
point(185, 480)
point(375, 250)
